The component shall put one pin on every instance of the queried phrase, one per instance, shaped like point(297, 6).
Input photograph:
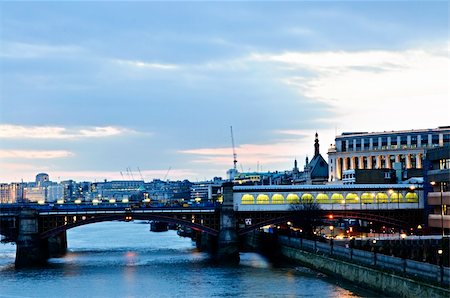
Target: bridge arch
point(325, 215)
point(195, 226)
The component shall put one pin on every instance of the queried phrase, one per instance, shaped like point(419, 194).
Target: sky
point(111, 90)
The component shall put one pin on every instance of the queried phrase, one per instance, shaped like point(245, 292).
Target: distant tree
point(307, 216)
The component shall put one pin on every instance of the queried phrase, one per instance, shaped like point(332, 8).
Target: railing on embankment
point(438, 275)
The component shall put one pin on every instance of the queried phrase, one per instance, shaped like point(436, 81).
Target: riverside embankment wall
point(323, 257)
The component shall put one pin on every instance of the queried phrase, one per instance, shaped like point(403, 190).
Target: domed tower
point(41, 179)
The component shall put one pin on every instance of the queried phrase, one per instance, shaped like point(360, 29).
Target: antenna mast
point(234, 151)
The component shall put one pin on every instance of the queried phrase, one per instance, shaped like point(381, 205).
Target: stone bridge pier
point(31, 250)
point(228, 240)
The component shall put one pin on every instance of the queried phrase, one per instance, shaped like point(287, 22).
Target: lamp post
point(441, 264)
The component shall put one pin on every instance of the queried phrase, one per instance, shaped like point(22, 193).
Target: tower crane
point(234, 150)
point(165, 176)
point(140, 174)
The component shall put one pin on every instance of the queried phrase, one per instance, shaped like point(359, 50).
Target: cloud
point(365, 89)
point(17, 166)
point(137, 64)
point(290, 144)
point(8, 131)
point(21, 50)
point(248, 154)
point(34, 154)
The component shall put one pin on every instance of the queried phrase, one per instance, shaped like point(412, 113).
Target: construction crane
point(140, 174)
point(131, 173)
point(234, 150)
point(165, 177)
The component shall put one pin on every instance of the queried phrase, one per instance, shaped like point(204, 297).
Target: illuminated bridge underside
point(390, 218)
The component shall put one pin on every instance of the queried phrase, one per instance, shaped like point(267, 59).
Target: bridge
point(40, 230)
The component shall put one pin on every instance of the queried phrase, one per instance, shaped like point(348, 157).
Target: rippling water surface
point(119, 259)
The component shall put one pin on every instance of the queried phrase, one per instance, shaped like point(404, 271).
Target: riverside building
point(438, 199)
point(383, 150)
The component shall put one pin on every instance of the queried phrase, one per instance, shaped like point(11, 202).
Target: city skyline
point(91, 89)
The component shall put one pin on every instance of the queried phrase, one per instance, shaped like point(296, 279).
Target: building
point(69, 190)
point(11, 193)
point(374, 176)
point(54, 192)
point(381, 150)
point(166, 191)
point(35, 194)
point(50, 192)
point(315, 171)
point(42, 179)
point(117, 189)
point(207, 191)
point(438, 199)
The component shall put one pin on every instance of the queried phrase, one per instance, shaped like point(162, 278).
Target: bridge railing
point(410, 268)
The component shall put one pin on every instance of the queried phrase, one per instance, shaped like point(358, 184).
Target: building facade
point(11, 193)
point(117, 189)
point(438, 199)
point(382, 150)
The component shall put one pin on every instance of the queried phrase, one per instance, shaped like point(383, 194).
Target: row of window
point(335, 198)
point(444, 164)
point(348, 145)
point(384, 161)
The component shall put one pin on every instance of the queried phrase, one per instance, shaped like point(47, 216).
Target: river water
point(124, 259)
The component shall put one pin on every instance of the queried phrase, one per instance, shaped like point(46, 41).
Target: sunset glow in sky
point(88, 90)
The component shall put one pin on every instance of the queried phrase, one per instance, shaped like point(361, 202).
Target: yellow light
point(403, 236)
point(41, 202)
point(331, 228)
point(433, 183)
point(440, 251)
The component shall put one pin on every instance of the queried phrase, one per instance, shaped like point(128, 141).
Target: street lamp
point(441, 264)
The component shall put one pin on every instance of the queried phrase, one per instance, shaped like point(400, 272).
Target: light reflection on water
point(120, 259)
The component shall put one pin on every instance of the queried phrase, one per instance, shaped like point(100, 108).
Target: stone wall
point(373, 279)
